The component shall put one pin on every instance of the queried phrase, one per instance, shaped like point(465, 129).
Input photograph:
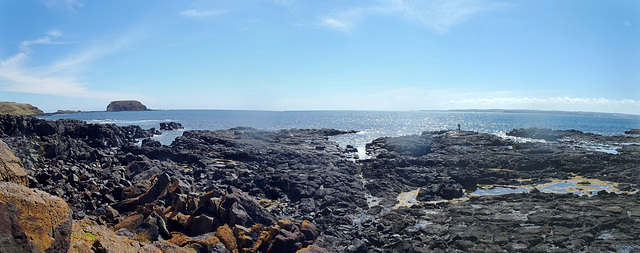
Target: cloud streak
point(552, 103)
point(25, 45)
point(438, 15)
point(59, 78)
point(199, 14)
point(67, 5)
point(539, 100)
point(419, 98)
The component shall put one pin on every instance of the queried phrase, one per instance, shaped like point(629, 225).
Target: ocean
point(369, 124)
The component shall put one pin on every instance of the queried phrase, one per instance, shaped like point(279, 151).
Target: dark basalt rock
point(633, 131)
point(126, 105)
point(150, 143)
point(243, 180)
point(170, 126)
point(537, 133)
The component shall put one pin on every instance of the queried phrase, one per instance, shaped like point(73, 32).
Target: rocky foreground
point(248, 190)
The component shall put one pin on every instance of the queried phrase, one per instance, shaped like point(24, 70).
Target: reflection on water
point(369, 124)
point(407, 199)
point(576, 185)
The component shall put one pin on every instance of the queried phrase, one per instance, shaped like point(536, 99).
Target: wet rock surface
point(289, 190)
point(171, 126)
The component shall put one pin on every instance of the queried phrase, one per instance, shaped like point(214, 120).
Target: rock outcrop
point(12, 108)
point(170, 126)
point(32, 220)
point(281, 191)
point(635, 131)
point(11, 169)
point(89, 237)
point(126, 105)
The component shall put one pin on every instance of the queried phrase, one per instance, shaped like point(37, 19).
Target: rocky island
point(294, 190)
point(126, 105)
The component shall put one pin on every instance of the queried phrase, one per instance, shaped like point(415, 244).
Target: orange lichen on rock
point(11, 169)
point(91, 237)
point(211, 240)
point(44, 219)
point(179, 239)
point(225, 234)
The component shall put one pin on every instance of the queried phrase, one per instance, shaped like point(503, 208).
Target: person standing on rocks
point(458, 127)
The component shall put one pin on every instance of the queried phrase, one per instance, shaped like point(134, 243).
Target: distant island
point(126, 105)
point(13, 108)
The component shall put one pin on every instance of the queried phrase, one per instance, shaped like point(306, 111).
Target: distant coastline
point(576, 113)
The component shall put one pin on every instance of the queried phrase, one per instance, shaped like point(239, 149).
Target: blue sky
point(322, 55)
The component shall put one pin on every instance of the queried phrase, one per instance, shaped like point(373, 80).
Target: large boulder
point(126, 105)
point(11, 169)
point(32, 220)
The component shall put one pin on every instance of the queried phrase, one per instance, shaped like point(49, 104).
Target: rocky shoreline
point(295, 190)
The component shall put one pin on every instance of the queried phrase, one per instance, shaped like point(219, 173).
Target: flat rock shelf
point(294, 189)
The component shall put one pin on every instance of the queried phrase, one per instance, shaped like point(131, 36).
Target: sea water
point(369, 124)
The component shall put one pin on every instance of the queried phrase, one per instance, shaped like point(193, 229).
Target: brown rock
point(111, 213)
point(81, 241)
point(179, 239)
point(89, 237)
point(158, 190)
point(309, 230)
point(11, 169)
point(209, 244)
point(197, 225)
point(225, 234)
point(176, 221)
point(108, 241)
point(131, 222)
point(32, 220)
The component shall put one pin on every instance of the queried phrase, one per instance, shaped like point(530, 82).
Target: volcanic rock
point(11, 169)
point(32, 220)
point(633, 131)
point(126, 105)
point(170, 126)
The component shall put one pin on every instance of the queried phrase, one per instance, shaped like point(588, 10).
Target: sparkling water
point(369, 124)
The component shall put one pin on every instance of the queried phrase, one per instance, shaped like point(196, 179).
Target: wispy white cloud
point(436, 15)
point(294, 6)
point(54, 33)
point(627, 23)
point(552, 103)
point(343, 25)
point(539, 100)
point(346, 20)
point(198, 14)
point(420, 98)
point(24, 45)
point(17, 74)
point(291, 4)
point(67, 5)
point(441, 15)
